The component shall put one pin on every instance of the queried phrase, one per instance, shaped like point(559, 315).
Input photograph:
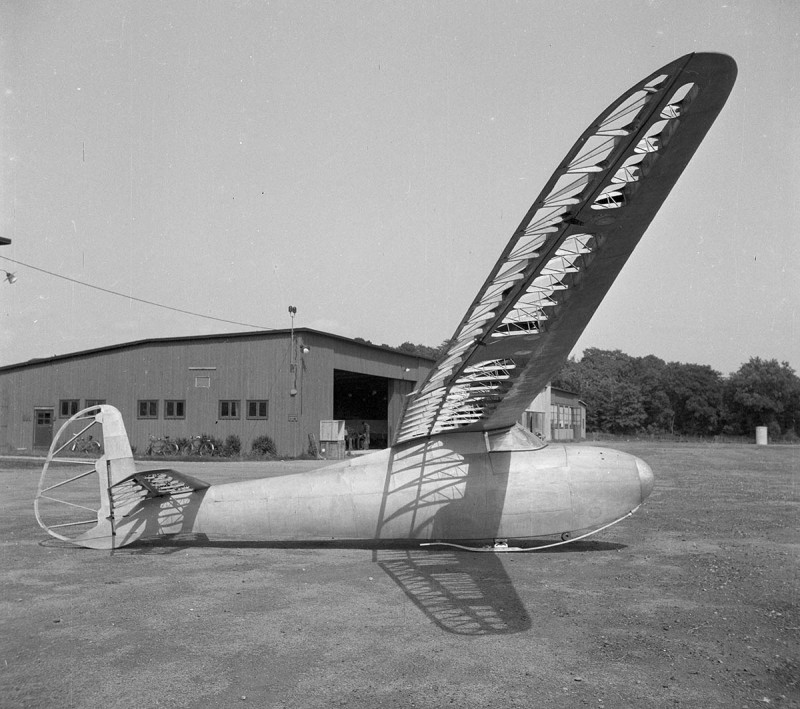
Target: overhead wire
point(131, 297)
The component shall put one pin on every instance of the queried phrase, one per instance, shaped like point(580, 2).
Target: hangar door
point(43, 427)
point(359, 399)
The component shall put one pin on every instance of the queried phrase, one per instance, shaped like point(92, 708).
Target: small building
point(556, 415)
point(280, 383)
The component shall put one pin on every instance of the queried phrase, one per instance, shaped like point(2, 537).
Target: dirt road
point(693, 602)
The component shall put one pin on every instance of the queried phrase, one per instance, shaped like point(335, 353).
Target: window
point(257, 409)
point(229, 409)
point(94, 402)
point(174, 409)
point(148, 408)
point(69, 407)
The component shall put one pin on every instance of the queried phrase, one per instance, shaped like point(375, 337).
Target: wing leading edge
point(568, 249)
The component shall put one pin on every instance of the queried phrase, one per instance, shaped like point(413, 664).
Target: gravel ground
point(693, 602)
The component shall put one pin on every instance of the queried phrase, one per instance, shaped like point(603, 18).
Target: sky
point(366, 163)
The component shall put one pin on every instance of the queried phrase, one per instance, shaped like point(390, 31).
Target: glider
point(461, 470)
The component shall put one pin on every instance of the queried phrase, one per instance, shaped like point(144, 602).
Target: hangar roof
point(196, 338)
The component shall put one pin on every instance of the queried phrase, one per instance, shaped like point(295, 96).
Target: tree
point(648, 372)
point(607, 384)
point(763, 393)
point(569, 376)
point(423, 350)
point(625, 393)
point(614, 406)
point(695, 396)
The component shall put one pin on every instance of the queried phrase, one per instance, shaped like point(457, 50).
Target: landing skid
point(500, 546)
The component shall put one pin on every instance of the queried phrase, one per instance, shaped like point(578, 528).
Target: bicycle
point(161, 446)
point(199, 445)
point(86, 445)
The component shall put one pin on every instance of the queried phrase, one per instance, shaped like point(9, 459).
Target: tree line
point(410, 348)
point(625, 394)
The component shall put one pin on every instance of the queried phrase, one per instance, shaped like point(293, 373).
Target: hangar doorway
point(360, 399)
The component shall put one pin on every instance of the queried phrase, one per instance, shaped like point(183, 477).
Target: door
point(42, 428)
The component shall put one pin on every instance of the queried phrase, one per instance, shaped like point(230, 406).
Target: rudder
point(125, 510)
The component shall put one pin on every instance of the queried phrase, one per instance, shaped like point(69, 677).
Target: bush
point(264, 445)
point(217, 443)
point(232, 445)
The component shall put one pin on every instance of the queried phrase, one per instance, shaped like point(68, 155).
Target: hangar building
point(556, 415)
point(281, 383)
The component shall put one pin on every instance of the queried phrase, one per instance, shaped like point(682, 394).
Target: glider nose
point(646, 478)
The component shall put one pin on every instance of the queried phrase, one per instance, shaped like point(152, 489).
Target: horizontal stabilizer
point(148, 484)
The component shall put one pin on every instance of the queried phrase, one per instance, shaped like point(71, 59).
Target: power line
point(131, 297)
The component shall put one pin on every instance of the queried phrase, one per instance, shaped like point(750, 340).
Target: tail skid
point(120, 515)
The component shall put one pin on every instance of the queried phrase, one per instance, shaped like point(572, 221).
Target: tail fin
point(124, 511)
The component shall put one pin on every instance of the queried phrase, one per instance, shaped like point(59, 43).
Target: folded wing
point(569, 248)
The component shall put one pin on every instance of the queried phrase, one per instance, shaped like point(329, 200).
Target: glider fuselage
point(449, 487)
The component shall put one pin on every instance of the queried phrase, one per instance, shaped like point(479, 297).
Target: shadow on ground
point(461, 592)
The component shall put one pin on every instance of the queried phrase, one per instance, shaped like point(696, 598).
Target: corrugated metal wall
point(241, 368)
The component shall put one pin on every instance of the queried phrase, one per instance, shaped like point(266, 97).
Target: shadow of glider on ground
point(460, 469)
